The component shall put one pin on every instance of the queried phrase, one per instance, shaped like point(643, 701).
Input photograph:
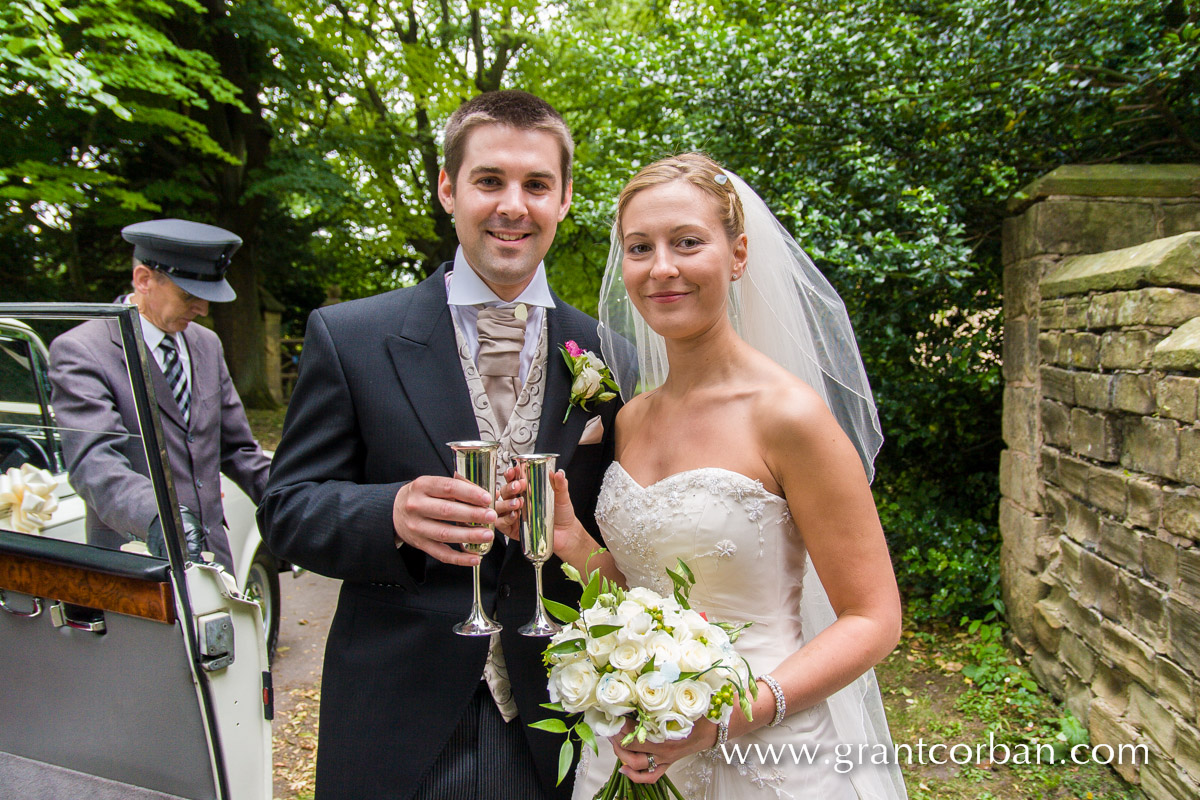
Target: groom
point(360, 488)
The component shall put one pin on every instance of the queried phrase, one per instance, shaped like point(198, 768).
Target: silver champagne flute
point(475, 461)
point(537, 531)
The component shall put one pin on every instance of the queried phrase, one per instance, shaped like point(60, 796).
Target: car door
point(123, 674)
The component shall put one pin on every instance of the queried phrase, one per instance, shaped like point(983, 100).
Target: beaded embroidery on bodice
point(729, 529)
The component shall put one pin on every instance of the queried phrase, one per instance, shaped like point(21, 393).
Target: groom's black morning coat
point(380, 393)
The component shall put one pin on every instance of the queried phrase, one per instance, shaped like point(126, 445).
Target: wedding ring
point(650, 759)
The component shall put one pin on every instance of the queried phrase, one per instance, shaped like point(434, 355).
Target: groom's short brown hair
point(520, 110)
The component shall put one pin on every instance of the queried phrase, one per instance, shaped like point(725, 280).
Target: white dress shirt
point(465, 290)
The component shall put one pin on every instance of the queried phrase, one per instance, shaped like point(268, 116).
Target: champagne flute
point(475, 461)
point(537, 531)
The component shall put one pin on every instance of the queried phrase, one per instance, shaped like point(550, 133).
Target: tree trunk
point(248, 137)
point(240, 326)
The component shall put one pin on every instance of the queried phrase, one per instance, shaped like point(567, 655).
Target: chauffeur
point(178, 269)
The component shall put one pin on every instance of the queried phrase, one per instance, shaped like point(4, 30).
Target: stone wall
point(1100, 481)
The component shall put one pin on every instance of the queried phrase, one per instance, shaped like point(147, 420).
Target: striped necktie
point(173, 369)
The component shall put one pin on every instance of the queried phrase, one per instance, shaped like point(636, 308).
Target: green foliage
point(1007, 699)
point(70, 66)
point(945, 543)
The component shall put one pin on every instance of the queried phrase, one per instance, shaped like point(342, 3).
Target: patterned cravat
point(501, 337)
point(173, 369)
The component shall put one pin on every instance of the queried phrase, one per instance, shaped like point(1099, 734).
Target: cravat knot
point(501, 337)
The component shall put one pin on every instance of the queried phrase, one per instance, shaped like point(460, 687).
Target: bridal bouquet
point(639, 656)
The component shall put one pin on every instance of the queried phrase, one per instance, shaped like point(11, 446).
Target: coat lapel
point(167, 406)
point(203, 392)
point(555, 436)
point(425, 357)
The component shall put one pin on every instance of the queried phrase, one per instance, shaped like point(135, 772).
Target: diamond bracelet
point(780, 701)
point(722, 738)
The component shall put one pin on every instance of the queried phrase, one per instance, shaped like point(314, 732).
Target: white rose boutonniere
point(591, 380)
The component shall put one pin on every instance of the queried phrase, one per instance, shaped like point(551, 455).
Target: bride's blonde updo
point(700, 171)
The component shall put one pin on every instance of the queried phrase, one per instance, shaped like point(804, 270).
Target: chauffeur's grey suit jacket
point(91, 394)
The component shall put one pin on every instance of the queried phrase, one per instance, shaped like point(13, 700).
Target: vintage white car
point(125, 674)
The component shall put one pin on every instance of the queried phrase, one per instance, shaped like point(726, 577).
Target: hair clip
point(721, 179)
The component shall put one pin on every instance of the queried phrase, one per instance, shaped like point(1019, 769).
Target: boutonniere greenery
point(591, 380)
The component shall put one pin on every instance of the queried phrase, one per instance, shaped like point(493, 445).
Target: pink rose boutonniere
point(591, 380)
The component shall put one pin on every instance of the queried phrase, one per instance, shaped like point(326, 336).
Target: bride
point(748, 454)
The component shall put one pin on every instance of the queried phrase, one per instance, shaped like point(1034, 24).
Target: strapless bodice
point(737, 538)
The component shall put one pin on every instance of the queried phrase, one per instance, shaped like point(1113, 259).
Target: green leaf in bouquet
point(676, 578)
point(566, 754)
point(563, 613)
point(550, 725)
point(584, 732)
point(553, 706)
point(569, 646)
point(591, 591)
point(567, 357)
point(683, 586)
point(649, 666)
point(596, 631)
point(687, 571)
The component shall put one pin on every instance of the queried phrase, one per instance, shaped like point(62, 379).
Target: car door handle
point(34, 612)
point(60, 616)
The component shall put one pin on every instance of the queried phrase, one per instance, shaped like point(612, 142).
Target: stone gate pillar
point(1100, 478)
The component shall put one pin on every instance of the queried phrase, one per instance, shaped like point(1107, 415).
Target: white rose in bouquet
point(598, 615)
point(671, 725)
point(654, 692)
point(637, 627)
point(644, 597)
point(696, 624)
point(593, 360)
point(663, 647)
point(602, 724)
point(574, 686)
point(599, 649)
point(615, 694)
point(692, 698)
point(586, 383)
point(628, 656)
point(694, 656)
point(716, 637)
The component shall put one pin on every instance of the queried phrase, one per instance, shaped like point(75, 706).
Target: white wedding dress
point(750, 563)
